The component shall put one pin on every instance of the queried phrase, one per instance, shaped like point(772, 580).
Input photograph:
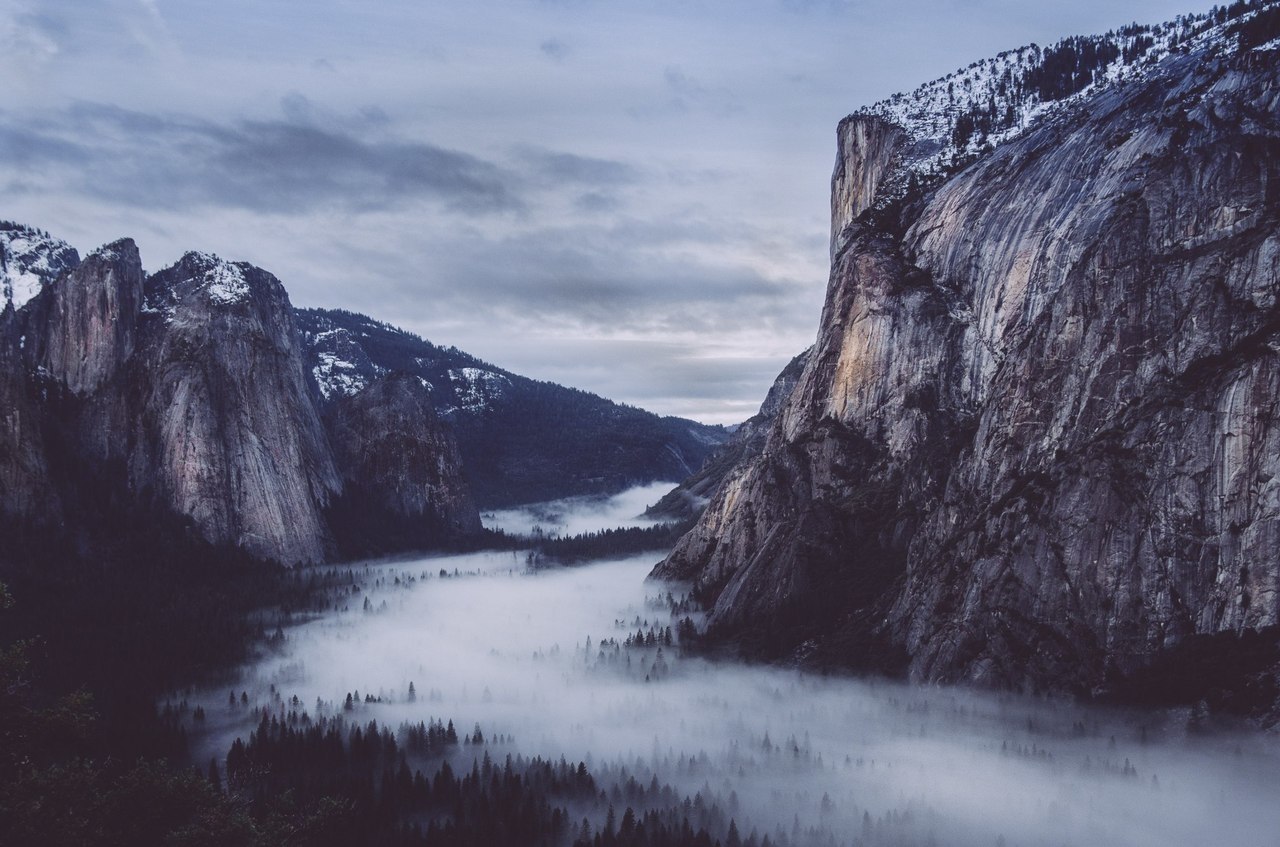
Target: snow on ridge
point(954, 118)
point(336, 377)
point(475, 387)
point(30, 259)
point(223, 282)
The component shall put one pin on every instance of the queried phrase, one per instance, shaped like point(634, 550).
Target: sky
point(626, 197)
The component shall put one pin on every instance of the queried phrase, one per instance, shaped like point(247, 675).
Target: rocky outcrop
point(29, 260)
point(186, 391)
point(88, 319)
point(866, 146)
point(229, 435)
point(687, 500)
point(1037, 440)
point(400, 467)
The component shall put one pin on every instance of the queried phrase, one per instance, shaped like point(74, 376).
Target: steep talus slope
point(521, 440)
point(1036, 442)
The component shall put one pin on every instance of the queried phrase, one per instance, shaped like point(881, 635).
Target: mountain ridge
point(522, 440)
point(201, 392)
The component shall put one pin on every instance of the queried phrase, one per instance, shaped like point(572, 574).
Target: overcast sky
point(629, 198)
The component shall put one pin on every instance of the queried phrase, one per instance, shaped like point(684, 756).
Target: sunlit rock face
point(230, 436)
point(687, 500)
point(1037, 439)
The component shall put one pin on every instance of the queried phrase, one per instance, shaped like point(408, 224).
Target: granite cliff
point(1036, 443)
point(184, 392)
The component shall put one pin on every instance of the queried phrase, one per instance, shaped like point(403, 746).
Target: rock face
point(90, 318)
point(230, 435)
point(687, 500)
point(26, 492)
point(1037, 441)
point(186, 391)
point(401, 471)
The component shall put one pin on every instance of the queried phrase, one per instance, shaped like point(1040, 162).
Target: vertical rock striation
point(186, 389)
point(231, 437)
point(1036, 442)
point(90, 318)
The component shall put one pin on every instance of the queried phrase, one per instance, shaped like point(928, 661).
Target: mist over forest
point(585, 664)
point(991, 561)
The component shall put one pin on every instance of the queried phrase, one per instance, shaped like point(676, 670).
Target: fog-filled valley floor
point(479, 662)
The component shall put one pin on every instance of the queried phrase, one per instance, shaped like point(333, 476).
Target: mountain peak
point(223, 282)
point(952, 120)
point(29, 259)
point(207, 281)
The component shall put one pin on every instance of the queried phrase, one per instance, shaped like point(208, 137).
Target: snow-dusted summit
point(30, 258)
point(951, 120)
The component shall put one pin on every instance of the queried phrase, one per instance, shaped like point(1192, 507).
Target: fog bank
point(539, 661)
point(576, 515)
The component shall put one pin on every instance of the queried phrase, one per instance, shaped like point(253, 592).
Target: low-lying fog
point(575, 515)
point(531, 659)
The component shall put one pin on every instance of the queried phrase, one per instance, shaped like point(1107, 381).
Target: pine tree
point(215, 779)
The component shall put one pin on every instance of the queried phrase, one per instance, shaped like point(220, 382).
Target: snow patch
point(29, 260)
point(337, 377)
point(223, 283)
point(955, 118)
point(475, 388)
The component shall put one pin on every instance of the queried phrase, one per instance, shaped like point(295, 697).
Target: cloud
point(559, 168)
point(637, 276)
point(297, 108)
point(554, 49)
point(681, 93)
point(288, 165)
point(31, 38)
point(595, 202)
point(689, 91)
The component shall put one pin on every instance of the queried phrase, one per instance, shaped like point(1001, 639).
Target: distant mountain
point(521, 440)
point(1036, 444)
